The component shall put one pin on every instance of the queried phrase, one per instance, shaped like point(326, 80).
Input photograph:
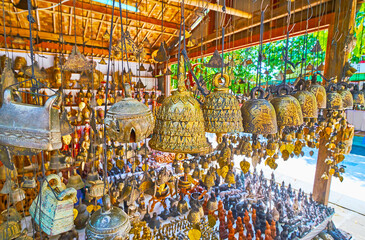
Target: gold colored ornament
point(129, 120)
point(258, 115)
point(287, 108)
point(57, 214)
point(320, 93)
point(358, 96)
point(179, 126)
point(77, 62)
point(347, 99)
point(307, 101)
point(221, 109)
point(334, 100)
point(75, 181)
point(109, 222)
point(29, 126)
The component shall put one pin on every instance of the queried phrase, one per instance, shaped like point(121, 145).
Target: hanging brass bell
point(7, 187)
point(347, 100)
point(194, 216)
point(287, 108)
point(28, 182)
point(179, 126)
point(17, 195)
point(109, 222)
point(212, 204)
point(258, 115)
point(334, 99)
point(358, 97)
point(57, 161)
point(182, 206)
point(307, 101)
point(29, 126)
point(9, 230)
point(320, 93)
point(65, 126)
point(75, 181)
point(91, 178)
point(221, 109)
point(129, 120)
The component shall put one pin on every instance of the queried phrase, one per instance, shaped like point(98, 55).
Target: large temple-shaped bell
point(221, 109)
point(179, 126)
point(287, 108)
point(129, 120)
point(307, 101)
point(258, 115)
point(347, 100)
point(334, 99)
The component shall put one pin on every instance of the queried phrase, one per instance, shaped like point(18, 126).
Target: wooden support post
point(335, 60)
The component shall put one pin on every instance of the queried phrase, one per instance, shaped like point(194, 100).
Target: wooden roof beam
point(108, 11)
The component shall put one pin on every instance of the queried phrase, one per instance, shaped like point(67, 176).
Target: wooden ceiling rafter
point(108, 11)
point(149, 14)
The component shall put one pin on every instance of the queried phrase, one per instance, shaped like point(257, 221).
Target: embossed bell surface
point(56, 215)
point(179, 126)
point(258, 115)
point(307, 101)
point(9, 230)
point(358, 96)
point(320, 93)
point(288, 110)
point(129, 120)
point(57, 161)
point(221, 109)
point(347, 100)
point(108, 223)
point(215, 61)
point(334, 101)
point(29, 126)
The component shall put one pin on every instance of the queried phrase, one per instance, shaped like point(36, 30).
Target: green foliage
point(359, 50)
point(273, 62)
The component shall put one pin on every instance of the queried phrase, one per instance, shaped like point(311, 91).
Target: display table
point(356, 118)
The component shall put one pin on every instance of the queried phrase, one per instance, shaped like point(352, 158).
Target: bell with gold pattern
point(307, 101)
point(258, 114)
point(319, 92)
point(129, 120)
point(179, 126)
point(358, 97)
point(287, 108)
point(347, 100)
point(334, 99)
point(221, 109)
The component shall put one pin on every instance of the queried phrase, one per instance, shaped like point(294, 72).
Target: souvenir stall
point(95, 143)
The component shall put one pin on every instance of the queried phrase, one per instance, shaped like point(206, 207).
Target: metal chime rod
point(223, 18)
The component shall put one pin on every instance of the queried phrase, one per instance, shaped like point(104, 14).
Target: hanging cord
point(75, 20)
point(223, 30)
point(181, 29)
point(106, 103)
point(124, 41)
point(6, 44)
point(304, 57)
point(258, 76)
point(287, 41)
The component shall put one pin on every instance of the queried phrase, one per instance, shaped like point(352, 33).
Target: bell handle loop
point(106, 203)
point(49, 178)
point(283, 87)
point(218, 77)
point(331, 87)
point(300, 85)
point(255, 90)
point(69, 193)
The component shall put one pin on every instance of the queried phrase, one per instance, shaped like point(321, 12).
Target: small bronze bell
point(258, 115)
point(109, 222)
point(334, 99)
point(179, 126)
point(287, 108)
point(129, 120)
point(91, 178)
point(7, 187)
point(75, 181)
point(57, 161)
point(221, 109)
point(17, 195)
point(358, 97)
point(212, 204)
point(319, 92)
point(215, 61)
point(28, 182)
point(347, 100)
point(82, 216)
point(97, 189)
point(182, 206)
point(307, 101)
point(162, 55)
